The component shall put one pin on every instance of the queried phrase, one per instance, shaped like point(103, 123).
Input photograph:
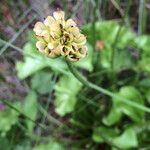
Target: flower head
point(59, 37)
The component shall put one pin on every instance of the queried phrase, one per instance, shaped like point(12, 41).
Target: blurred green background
point(44, 107)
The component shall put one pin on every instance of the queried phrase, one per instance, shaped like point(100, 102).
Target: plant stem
point(142, 17)
point(93, 30)
point(114, 46)
point(102, 90)
point(123, 20)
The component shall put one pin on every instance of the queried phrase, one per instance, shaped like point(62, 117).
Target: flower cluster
point(59, 37)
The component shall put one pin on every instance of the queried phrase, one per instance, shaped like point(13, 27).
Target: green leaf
point(4, 144)
point(23, 145)
point(35, 61)
point(114, 116)
point(127, 140)
point(30, 109)
point(103, 132)
point(30, 65)
point(119, 109)
point(107, 32)
point(145, 83)
point(105, 56)
point(65, 91)
point(143, 43)
point(41, 82)
point(8, 118)
point(53, 145)
point(144, 63)
point(122, 58)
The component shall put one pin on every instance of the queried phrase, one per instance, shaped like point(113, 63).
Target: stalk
point(90, 85)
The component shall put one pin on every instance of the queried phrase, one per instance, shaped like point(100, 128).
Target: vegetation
point(99, 102)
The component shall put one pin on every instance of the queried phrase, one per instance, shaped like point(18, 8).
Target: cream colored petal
point(49, 21)
point(81, 40)
point(41, 46)
point(67, 38)
point(75, 47)
point(38, 28)
point(76, 55)
point(55, 30)
point(46, 36)
point(59, 15)
point(72, 57)
point(40, 38)
point(74, 31)
point(52, 55)
point(52, 45)
point(65, 50)
point(55, 35)
point(55, 52)
point(70, 23)
point(46, 51)
point(83, 51)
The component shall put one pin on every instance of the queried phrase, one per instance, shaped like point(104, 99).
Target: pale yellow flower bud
point(57, 37)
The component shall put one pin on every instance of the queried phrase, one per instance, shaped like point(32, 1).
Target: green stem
point(142, 17)
point(114, 46)
point(94, 31)
point(104, 91)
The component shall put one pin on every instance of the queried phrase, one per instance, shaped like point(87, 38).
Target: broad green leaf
point(133, 94)
point(53, 145)
point(23, 145)
point(4, 144)
point(128, 139)
point(122, 58)
point(145, 83)
point(41, 82)
point(144, 63)
point(102, 133)
point(65, 91)
point(105, 56)
point(35, 61)
point(119, 108)
point(28, 67)
point(113, 117)
point(143, 43)
point(30, 109)
point(107, 32)
point(30, 64)
point(8, 118)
